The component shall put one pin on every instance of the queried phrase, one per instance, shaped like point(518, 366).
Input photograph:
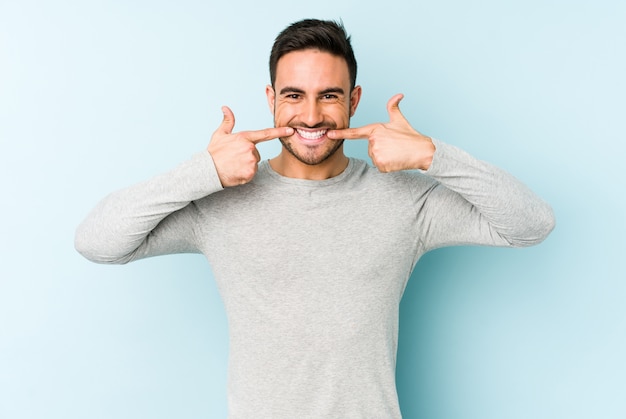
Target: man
point(312, 250)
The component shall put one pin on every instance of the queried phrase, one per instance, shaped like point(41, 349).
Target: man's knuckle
point(267, 133)
point(248, 147)
point(249, 173)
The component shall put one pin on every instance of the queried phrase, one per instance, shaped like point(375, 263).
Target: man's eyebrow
point(337, 90)
point(290, 89)
point(326, 91)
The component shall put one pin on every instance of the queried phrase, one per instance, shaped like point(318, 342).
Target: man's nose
point(312, 113)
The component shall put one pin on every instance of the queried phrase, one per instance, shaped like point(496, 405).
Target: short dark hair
point(324, 35)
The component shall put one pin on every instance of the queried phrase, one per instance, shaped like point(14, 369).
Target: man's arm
point(475, 202)
point(123, 226)
point(154, 217)
point(472, 202)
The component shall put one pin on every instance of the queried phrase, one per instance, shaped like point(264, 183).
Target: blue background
point(96, 95)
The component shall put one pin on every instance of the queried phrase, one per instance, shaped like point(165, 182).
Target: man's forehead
point(305, 68)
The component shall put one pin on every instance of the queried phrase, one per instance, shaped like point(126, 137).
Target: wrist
point(427, 153)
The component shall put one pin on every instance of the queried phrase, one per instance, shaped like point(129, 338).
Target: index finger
point(363, 132)
point(267, 134)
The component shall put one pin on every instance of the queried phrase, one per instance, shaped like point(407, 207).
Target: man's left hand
point(394, 145)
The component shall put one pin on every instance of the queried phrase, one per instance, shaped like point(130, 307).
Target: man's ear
point(355, 97)
point(271, 97)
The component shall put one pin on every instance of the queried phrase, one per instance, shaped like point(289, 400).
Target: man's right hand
point(235, 155)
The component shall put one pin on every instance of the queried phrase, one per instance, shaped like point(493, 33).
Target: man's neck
point(287, 165)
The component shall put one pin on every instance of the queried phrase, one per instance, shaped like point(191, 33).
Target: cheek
point(342, 113)
point(284, 112)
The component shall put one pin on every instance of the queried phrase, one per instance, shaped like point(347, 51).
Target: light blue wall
point(95, 95)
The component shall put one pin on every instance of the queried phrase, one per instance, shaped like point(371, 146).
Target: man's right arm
point(154, 217)
point(123, 226)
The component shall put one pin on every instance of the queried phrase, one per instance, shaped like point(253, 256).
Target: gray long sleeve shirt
point(312, 272)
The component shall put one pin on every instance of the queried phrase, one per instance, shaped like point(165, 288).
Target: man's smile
point(311, 137)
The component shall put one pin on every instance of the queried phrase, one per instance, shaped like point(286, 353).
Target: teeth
point(311, 135)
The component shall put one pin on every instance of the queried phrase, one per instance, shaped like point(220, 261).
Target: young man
point(312, 250)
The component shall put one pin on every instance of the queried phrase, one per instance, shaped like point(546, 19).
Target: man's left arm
point(475, 202)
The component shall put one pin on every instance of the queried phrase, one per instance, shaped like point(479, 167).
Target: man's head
point(313, 90)
point(323, 35)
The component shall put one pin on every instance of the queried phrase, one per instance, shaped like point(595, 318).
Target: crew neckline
point(265, 167)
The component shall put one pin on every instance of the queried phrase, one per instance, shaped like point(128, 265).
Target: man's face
point(312, 95)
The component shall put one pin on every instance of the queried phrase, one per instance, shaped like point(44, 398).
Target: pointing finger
point(267, 134)
point(351, 133)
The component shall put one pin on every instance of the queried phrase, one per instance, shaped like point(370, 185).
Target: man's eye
point(293, 96)
point(330, 97)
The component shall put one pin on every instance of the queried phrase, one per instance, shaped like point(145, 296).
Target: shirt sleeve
point(476, 203)
point(151, 218)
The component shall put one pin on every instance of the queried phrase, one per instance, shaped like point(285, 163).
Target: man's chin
point(312, 155)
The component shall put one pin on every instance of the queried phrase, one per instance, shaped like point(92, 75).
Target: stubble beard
point(312, 157)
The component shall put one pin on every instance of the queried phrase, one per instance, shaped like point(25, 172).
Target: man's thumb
point(393, 108)
point(228, 123)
